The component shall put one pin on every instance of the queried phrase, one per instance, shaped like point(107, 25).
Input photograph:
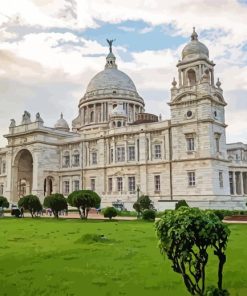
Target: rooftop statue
point(110, 43)
point(26, 118)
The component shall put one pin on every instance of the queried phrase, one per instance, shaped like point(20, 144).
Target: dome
point(118, 111)
point(61, 124)
point(195, 49)
point(111, 79)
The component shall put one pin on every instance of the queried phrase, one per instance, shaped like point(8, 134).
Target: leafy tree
point(143, 203)
point(56, 202)
point(181, 203)
point(30, 203)
point(185, 236)
point(4, 202)
point(110, 212)
point(84, 200)
point(148, 215)
point(137, 208)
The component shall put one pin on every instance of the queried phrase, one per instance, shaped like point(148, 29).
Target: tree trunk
point(222, 260)
point(79, 211)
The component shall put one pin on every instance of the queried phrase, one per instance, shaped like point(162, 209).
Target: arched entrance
point(48, 185)
point(23, 174)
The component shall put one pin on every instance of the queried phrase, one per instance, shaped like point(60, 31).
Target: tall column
point(212, 77)
point(126, 148)
point(179, 78)
point(234, 183)
point(114, 150)
point(95, 115)
point(242, 182)
point(101, 115)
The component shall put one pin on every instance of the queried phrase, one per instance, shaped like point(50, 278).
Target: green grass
point(72, 257)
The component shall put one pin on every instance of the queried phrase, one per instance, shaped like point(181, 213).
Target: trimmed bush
point(110, 212)
point(4, 202)
point(148, 215)
point(56, 202)
point(30, 203)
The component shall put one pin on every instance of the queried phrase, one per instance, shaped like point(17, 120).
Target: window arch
point(66, 159)
point(119, 124)
point(76, 158)
point(92, 116)
point(191, 74)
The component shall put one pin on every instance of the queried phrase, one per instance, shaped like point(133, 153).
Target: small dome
point(62, 124)
point(195, 49)
point(118, 111)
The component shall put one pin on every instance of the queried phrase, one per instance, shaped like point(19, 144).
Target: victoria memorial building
point(117, 149)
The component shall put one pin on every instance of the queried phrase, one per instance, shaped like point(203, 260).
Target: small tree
point(84, 200)
point(4, 202)
point(143, 203)
point(56, 202)
point(181, 203)
point(110, 212)
point(30, 203)
point(185, 235)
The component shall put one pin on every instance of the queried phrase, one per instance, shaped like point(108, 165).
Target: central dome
point(111, 79)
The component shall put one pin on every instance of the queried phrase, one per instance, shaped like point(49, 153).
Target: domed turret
point(62, 124)
point(195, 49)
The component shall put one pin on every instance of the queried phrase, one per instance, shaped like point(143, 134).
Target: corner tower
point(198, 141)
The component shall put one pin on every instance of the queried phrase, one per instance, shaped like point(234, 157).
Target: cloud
point(46, 56)
point(146, 30)
point(126, 29)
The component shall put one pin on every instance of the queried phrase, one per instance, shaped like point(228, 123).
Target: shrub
point(109, 212)
point(4, 202)
point(148, 215)
point(143, 203)
point(213, 291)
point(181, 203)
point(56, 202)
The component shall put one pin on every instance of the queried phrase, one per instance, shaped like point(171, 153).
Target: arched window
point(76, 158)
point(191, 77)
point(113, 124)
point(66, 159)
point(119, 124)
point(92, 116)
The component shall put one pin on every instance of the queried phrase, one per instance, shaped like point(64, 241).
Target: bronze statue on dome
point(110, 43)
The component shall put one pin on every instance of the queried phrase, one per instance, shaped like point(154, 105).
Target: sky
point(50, 49)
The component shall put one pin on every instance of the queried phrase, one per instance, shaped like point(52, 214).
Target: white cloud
point(146, 30)
point(55, 67)
point(126, 29)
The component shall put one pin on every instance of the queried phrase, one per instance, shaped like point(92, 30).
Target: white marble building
point(119, 151)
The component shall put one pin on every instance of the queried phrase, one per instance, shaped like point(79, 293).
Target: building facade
point(119, 151)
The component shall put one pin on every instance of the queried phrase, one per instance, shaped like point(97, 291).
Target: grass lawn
point(49, 257)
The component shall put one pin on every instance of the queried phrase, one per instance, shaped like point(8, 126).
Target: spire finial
point(61, 115)
point(174, 83)
point(194, 35)
point(110, 41)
